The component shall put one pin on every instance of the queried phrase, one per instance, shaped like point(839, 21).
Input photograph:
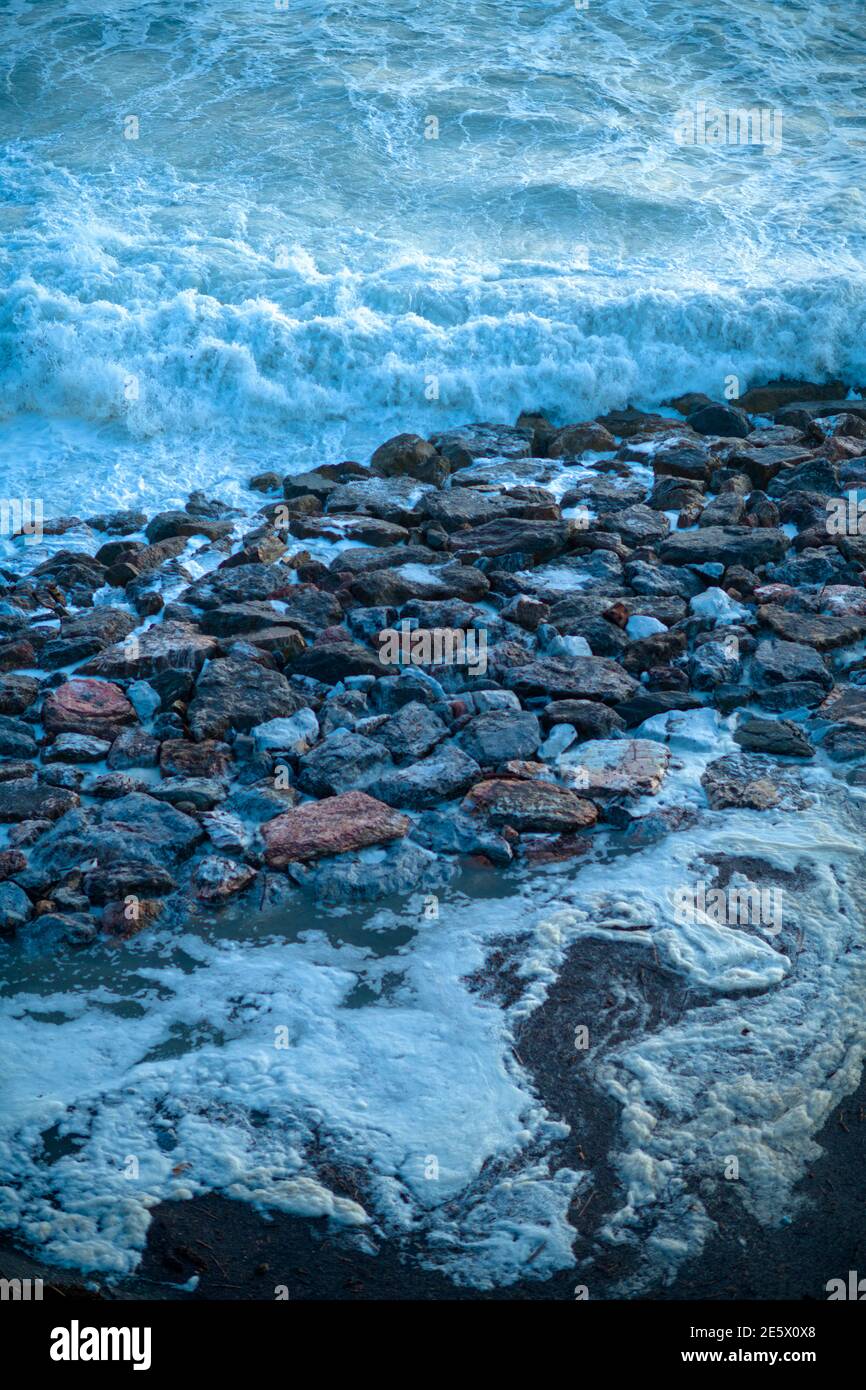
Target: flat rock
point(164, 646)
point(822, 633)
point(606, 768)
point(500, 735)
point(529, 805)
point(585, 678)
point(34, 801)
point(781, 737)
point(337, 825)
point(726, 545)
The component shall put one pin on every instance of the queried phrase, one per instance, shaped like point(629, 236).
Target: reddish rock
point(121, 920)
point(530, 805)
point(87, 707)
point(217, 878)
point(334, 826)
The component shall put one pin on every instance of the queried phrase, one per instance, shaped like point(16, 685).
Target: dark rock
point(727, 545)
point(407, 455)
point(777, 662)
point(500, 735)
point(412, 732)
point(342, 762)
point(470, 442)
point(591, 720)
point(586, 678)
point(447, 773)
point(236, 695)
point(15, 908)
point(20, 801)
point(164, 646)
point(780, 737)
point(725, 420)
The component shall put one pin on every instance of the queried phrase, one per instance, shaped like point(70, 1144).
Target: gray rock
point(775, 663)
point(342, 762)
point(447, 773)
point(780, 737)
point(500, 736)
point(412, 732)
point(374, 873)
point(15, 907)
point(727, 545)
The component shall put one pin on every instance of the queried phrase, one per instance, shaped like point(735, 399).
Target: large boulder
point(726, 545)
point(165, 646)
point(342, 762)
point(410, 456)
point(501, 735)
point(529, 805)
point(236, 694)
point(447, 773)
point(337, 825)
point(90, 707)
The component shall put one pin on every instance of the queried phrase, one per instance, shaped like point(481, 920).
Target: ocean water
point(282, 269)
point(230, 240)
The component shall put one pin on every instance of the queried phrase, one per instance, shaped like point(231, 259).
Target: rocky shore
point(201, 708)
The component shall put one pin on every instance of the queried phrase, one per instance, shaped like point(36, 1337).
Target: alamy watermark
point(434, 646)
point(747, 906)
point(846, 516)
point(704, 124)
point(22, 516)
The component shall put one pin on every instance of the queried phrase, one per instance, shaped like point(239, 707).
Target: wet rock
point(131, 879)
point(780, 737)
point(500, 735)
point(529, 805)
point(822, 633)
point(846, 705)
point(606, 768)
point(725, 420)
point(209, 758)
point(164, 646)
point(51, 932)
point(586, 678)
point(394, 587)
point(637, 526)
point(480, 441)
point(727, 509)
point(133, 748)
point(714, 664)
point(333, 661)
point(453, 832)
point(236, 695)
point(201, 793)
point(373, 874)
point(762, 465)
point(89, 707)
point(590, 719)
point(726, 545)
point(574, 440)
point(338, 825)
point(169, 524)
point(686, 461)
point(844, 744)
point(15, 908)
point(18, 693)
point(744, 780)
point(446, 773)
point(817, 475)
point(512, 535)
point(295, 735)
point(260, 802)
point(111, 785)
point(16, 738)
point(123, 920)
point(76, 748)
point(407, 455)
point(412, 732)
point(790, 695)
point(651, 702)
point(778, 662)
point(135, 560)
point(217, 878)
point(343, 762)
point(20, 801)
point(248, 584)
point(365, 530)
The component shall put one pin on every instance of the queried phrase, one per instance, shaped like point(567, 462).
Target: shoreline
point(254, 746)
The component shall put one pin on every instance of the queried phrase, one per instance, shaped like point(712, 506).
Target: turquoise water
point(282, 266)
